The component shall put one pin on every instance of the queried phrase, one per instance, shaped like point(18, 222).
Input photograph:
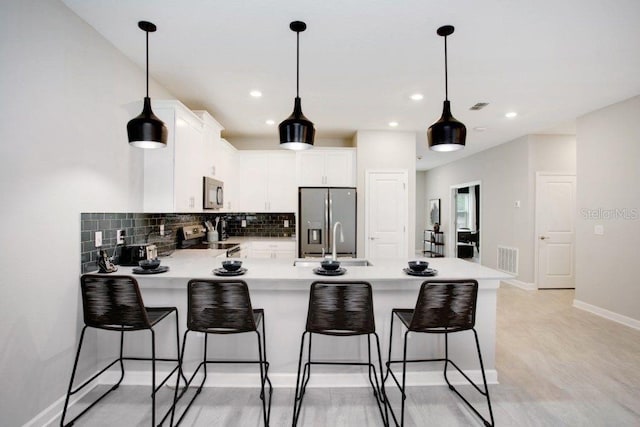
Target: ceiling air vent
point(479, 106)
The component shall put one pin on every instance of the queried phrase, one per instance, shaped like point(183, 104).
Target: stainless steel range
point(194, 237)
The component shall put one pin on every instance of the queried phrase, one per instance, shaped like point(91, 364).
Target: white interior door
point(555, 230)
point(386, 216)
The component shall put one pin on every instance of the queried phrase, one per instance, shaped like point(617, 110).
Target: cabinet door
point(285, 250)
point(173, 175)
point(282, 194)
point(188, 167)
point(228, 167)
point(338, 166)
point(310, 168)
point(252, 189)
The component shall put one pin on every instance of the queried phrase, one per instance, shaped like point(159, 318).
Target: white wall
point(65, 99)
point(507, 174)
point(608, 150)
point(386, 150)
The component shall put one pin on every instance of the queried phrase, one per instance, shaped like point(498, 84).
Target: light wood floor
point(557, 365)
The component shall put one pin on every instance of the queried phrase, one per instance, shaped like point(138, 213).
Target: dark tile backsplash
point(145, 228)
point(261, 224)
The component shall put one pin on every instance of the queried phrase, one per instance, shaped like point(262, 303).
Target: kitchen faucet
point(335, 230)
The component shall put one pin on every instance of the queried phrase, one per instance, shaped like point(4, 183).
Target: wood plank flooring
point(557, 365)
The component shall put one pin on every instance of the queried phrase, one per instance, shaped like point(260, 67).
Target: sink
point(344, 262)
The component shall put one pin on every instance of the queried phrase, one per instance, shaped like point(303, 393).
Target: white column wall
point(65, 97)
point(386, 150)
point(608, 151)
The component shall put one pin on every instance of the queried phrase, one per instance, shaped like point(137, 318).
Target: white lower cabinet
point(273, 249)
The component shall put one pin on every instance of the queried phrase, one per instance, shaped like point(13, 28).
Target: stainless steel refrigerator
point(319, 209)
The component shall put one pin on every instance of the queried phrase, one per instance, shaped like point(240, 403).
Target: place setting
point(230, 268)
point(330, 267)
point(150, 266)
point(419, 268)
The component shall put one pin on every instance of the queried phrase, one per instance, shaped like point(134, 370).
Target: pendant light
point(296, 131)
point(147, 130)
point(447, 134)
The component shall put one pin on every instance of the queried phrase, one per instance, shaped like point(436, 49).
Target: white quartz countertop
point(281, 273)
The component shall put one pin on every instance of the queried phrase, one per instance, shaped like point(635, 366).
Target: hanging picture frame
point(434, 214)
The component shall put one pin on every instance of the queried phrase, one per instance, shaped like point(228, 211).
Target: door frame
point(536, 246)
point(452, 217)
point(367, 198)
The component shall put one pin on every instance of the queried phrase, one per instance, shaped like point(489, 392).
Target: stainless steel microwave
point(213, 193)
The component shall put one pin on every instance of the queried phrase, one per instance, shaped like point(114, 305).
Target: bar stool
point(443, 307)
point(340, 309)
point(224, 307)
point(114, 303)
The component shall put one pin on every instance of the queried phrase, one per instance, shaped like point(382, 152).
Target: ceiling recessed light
point(511, 114)
point(393, 124)
point(417, 96)
point(255, 93)
point(270, 122)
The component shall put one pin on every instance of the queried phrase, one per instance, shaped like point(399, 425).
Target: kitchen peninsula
point(282, 290)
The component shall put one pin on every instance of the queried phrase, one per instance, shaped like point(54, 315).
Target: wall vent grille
point(508, 259)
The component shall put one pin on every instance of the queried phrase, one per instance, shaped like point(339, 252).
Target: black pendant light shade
point(447, 134)
point(147, 130)
point(296, 131)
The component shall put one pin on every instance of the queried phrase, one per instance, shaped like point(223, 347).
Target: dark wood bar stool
point(443, 307)
point(224, 307)
point(114, 303)
point(340, 309)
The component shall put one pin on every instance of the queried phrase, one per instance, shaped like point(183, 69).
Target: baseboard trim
point(609, 315)
point(50, 415)
point(522, 285)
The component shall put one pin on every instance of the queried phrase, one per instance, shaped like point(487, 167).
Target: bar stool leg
point(381, 390)
point(300, 381)
point(153, 378)
point(73, 374)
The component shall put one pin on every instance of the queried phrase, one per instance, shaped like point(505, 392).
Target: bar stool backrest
point(445, 305)
point(219, 306)
point(340, 308)
point(113, 303)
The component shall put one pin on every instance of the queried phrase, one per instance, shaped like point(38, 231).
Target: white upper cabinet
point(227, 167)
point(268, 181)
point(173, 175)
point(219, 159)
point(326, 167)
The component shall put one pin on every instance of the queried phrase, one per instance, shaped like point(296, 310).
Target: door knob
point(543, 237)
point(373, 238)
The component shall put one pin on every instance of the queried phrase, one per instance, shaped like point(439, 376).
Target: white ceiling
point(549, 60)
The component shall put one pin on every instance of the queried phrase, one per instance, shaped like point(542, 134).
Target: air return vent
point(508, 259)
point(479, 106)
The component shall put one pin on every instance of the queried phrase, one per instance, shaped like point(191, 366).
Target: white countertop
point(186, 264)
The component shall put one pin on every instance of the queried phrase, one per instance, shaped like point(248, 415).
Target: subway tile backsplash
point(145, 228)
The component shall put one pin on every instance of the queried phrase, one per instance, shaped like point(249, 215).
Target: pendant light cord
point(297, 64)
point(446, 76)
point(147, 63)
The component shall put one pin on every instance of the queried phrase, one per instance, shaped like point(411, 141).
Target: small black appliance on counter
point(132, 254)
